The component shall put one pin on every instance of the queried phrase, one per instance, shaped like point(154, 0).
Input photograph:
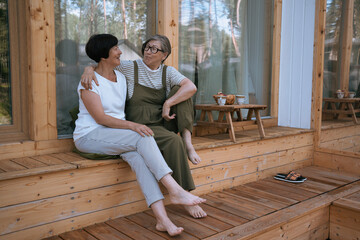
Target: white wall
point(296, 63)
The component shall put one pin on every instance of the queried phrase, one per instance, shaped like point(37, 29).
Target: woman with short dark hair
point(160, 97)
point(101, 128)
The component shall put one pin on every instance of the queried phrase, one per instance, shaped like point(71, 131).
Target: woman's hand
point(87, 77)
point(143, 130)
point(166, 112)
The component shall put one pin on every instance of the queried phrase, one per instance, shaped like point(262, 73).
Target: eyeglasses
point(153, 49)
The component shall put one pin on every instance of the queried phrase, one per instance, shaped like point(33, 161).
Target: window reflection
point(5, 80)
point(354, 78)
point(227, 48)
point(75, 22)
point(334, 37)
point(332, 44)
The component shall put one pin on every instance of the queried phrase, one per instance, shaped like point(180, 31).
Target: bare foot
point(193, 156)
point(169, 227)
point(195, 211)
point(185, 198)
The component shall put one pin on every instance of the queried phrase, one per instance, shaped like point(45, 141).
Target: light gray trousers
point(141, 153)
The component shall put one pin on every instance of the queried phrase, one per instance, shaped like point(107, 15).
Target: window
point(13, 72)
point(132, 22)
point(342, 69)
point(228, 48)
point(354, 75)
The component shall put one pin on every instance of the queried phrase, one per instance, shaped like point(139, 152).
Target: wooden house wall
point(296, 63)
point(339, 149)
point(341, 139)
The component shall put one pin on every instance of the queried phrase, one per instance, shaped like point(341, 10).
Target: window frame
point(18, 130)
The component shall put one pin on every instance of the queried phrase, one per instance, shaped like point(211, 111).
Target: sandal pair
point(292, 177)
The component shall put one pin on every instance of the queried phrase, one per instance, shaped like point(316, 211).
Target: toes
point(178, 231)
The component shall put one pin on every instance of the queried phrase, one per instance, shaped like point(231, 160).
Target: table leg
point(250, 112)
point(333, 106)
point(202, 115)
point(342, 106)
point(326, 106)
point(259, 123)
point(231, 127)
point(221, 117)
point(199, 131)
point(239, 115)
point(210, 116)
point(351, 107)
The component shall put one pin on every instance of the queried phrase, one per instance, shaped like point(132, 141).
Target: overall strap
point(136, 72)
point(164, 76)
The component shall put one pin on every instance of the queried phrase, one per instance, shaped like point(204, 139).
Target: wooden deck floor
point(227, 210)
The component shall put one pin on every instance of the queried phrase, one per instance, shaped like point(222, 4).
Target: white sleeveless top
point(113, 97)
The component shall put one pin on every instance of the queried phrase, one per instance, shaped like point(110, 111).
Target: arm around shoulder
point(88, 76)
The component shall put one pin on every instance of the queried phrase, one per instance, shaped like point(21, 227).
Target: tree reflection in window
point(75, 21)
point(5, 81)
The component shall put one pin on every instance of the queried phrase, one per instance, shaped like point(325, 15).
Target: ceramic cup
point(221, 100)
point(240, 99)
point(351, 94)
point(340, 94)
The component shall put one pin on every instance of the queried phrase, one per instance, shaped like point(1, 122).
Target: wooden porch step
point(46, 195)
point(259, 210)
point(345, 217)
point(30, 166)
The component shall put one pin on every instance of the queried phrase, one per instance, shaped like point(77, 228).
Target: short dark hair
point(99, 45)
point(165, 44)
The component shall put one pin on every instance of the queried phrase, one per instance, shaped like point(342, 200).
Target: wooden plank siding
point(339, 148)
point(33, 148)
point(345, 218)
point(318, 69)
point(41, 29)
point(341, 139)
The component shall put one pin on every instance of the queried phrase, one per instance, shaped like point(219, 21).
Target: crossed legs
point(145, 159)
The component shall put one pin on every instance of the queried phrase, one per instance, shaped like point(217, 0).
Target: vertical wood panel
point(276, 58)
point(41, 36)
point(318, 67)
point(168, 25)
point(346, 43)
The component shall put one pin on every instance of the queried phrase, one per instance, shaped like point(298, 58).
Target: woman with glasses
point(160, 97)
point(101, 128)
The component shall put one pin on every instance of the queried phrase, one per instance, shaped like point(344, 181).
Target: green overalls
point(145, 107)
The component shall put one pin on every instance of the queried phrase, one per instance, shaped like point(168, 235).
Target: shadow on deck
point(265, 209)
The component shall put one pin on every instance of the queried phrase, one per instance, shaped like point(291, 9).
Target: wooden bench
point(339, 107)
point(228, 112)
point(345, 217)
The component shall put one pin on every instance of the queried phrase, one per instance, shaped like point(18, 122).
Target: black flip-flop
point(292, 177)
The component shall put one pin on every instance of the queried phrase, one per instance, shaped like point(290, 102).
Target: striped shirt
point(149, 78)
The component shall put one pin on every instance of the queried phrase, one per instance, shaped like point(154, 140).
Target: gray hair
point(164, 41)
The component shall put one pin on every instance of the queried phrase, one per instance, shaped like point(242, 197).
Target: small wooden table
point(345, 106)
point(228, 112)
